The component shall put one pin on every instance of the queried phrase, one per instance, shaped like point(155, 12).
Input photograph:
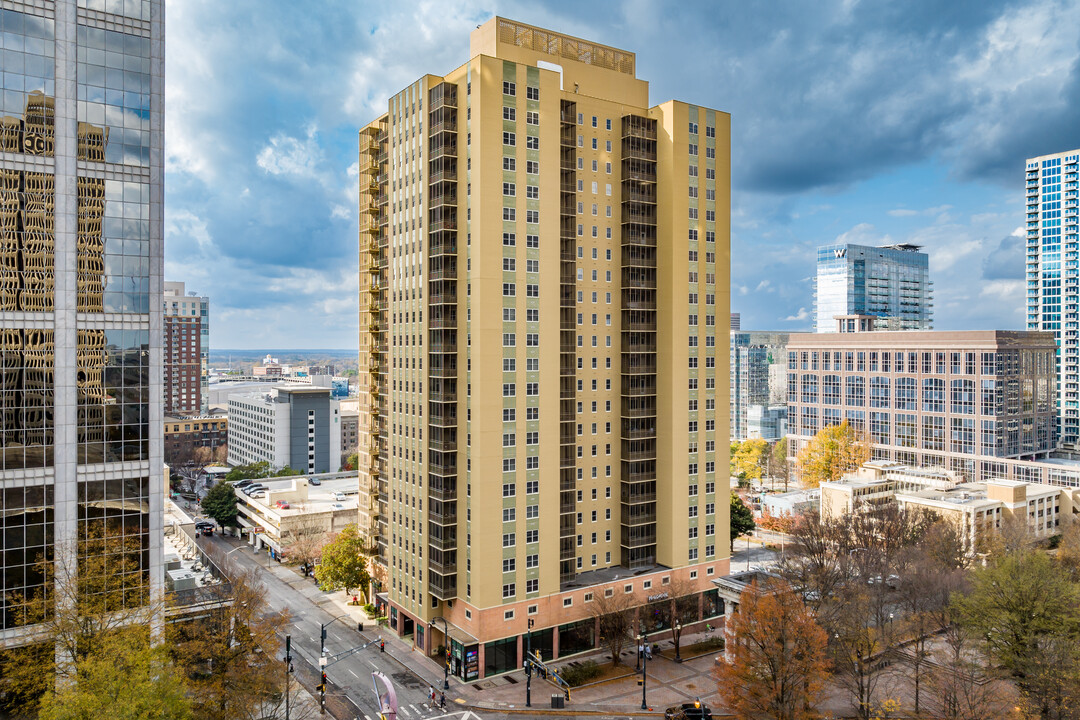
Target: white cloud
point(800, 316)
point(903, 212)
point(291, 156)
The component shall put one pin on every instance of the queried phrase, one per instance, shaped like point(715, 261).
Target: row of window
point(936, 362)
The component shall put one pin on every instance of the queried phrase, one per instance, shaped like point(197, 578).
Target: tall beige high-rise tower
point(544, 299)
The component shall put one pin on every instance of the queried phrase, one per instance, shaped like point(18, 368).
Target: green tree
point(231, 654)
point(123, 678)
point(749, 458)
point(835, 450)
point(251, 471)
point(1028, 611)
point(220, 503)
point(287, 471)
point(342, 566)
point(742, 519)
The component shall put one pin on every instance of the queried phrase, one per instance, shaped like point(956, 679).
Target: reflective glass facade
point(1053, 272)
point(891, 283)
point(80, 256)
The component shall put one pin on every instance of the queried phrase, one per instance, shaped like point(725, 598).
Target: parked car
point(244, 483)
point(315, 481)
point(688, 711)
point(253, 488)
point(282, 504)
point(339, 496)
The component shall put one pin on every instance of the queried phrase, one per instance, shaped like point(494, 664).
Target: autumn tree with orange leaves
point(835, 450)
point(777, 657)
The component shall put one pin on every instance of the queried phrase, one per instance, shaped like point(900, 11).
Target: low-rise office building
point(183, 435)
point(979, 508)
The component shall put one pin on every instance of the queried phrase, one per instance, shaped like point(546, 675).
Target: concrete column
point(555, 643)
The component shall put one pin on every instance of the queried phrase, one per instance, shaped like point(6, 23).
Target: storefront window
point(713, 604)
point(500, 656)
point(577, 637)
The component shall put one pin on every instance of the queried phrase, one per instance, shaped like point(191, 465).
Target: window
point(532, 118)
point(532, 586)
point(532, 93)
point(509, 590)
point(509, 540)
point(532, 167)
point(509, 88)
point(509, 189)
point(509, 289)
point(532, 192)
point(509, 113)
point(532, 561)
point(532, 536)
point(509, 239)
point(509, 390)
point(532, 142)
point(509, 565)
point(532, 216)
point(532, 241)
point(509, 214)
point(509, 138)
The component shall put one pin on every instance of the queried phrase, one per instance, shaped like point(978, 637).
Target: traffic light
point(322, 688)
point(323, 633)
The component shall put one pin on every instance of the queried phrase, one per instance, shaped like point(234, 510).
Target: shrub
point(580, 673)
point(370, 609)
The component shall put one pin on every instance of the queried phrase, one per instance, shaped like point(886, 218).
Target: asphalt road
point(350, 692)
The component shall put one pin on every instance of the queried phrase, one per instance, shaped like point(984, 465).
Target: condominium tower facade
point(890, 283)
point(187, 350)
point(1053, 272)
point(544, 285)
point(80, 296)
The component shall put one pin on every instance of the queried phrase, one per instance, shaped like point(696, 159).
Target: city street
point(350, 692)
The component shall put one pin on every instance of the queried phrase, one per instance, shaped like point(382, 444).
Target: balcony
point(443, 489)
point(444, 587)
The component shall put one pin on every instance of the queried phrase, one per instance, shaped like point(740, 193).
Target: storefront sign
point(658, 596)
point(472, 663)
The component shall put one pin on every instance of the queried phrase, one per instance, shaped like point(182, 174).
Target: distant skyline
point(851, 122)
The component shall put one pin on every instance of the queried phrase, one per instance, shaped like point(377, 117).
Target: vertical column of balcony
point(374, 201)
point(567, 343)
point(638, 343)
point(442, 349)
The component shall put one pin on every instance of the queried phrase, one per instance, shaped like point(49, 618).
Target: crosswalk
point(429, 713)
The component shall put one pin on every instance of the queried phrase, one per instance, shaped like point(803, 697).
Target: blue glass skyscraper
point(891, 283)
point(1053, 272)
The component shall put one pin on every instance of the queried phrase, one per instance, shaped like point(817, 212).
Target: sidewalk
point(668, 683)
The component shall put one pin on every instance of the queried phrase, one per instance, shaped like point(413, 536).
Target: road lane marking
point(353, 674)
point(404, 711)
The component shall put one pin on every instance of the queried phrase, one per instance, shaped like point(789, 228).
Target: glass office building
point(891, 283)
point(80, 259)
point(1053, 280)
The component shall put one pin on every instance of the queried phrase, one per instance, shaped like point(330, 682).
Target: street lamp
point(446, 658)
point(678, 634)
point(528, 664)
point(643, 641)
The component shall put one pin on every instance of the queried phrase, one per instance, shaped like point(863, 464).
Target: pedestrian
point(431, 695)
point(442, 700)
point(382, 646)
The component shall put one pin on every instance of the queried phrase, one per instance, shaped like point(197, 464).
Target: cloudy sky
point(866, 121)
